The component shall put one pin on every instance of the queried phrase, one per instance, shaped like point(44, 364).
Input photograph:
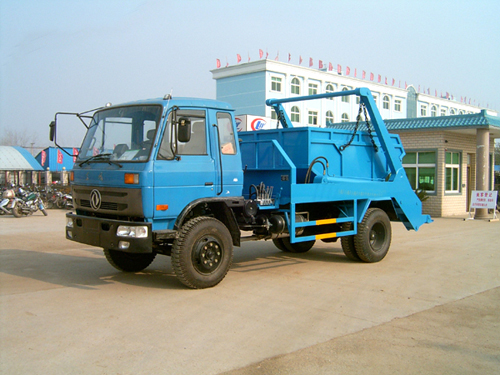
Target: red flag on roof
point(310, 62)
point(289, 57)
point(320, 64)
point(330, 67)
point(379, 78)
point(364, 74)
point(347, 71)
point(218, 63)
point(371, 76)
point(339, 69)
point(261, 53)
point(300, 60)
point(238, 58)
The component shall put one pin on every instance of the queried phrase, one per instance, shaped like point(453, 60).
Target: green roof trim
point(475, 120)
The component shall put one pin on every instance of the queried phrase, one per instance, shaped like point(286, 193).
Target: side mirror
point(184, 130)
point(52, 131)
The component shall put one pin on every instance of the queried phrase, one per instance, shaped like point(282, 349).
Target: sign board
point(254, 123)
point(483, 199)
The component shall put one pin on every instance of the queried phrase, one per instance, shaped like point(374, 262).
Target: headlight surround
point(132, 231)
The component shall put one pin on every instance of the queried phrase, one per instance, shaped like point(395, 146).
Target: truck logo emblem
point(95, 199)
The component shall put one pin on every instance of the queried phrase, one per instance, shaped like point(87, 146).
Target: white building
point(247, 86)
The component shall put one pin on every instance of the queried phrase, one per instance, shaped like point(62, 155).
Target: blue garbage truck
point(173, 176)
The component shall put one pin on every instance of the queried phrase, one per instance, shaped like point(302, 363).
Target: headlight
point(69, 222)
point(129, 231)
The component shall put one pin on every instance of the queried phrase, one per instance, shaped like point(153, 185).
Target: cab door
point(183, 171)
point(227, 155)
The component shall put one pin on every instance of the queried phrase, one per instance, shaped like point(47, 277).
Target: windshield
point(125, 134)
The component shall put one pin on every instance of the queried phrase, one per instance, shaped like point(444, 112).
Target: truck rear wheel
point(128, 262)
point(278, 242)
point(203, 253)
point(373, 239)
point(298, 247)
point(348, 245)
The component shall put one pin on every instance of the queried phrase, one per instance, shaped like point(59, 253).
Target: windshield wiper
point(100, 157)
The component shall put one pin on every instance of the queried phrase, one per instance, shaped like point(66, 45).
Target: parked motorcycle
point(28, 204)
point(8, 202)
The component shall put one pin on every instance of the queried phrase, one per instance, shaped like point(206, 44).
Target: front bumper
point(102, 233)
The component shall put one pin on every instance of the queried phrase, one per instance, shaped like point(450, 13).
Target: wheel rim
point(377, 236)
point(207, 255)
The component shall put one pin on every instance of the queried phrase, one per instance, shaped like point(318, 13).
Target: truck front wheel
point(373, 239)
point(128, 262)
point(203, 253)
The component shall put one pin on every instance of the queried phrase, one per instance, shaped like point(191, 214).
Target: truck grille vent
point(111, 206)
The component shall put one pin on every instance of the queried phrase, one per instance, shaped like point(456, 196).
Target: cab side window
point(197, 145)
point(227, 140)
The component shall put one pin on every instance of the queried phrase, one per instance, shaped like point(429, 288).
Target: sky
point(73, 55)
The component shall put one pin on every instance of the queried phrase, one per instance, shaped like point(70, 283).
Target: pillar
point(482, 167)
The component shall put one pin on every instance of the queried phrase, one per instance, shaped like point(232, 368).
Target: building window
point(397, 105)
point(329, 118)
point(443, 111)
point(313, 118)
point(386, 102)
point(461, 112)
point(313, 88)
point(330, 88)
point(433, 111)
point(423, 110)
point(420, 168)
point(276, 84)
point(345, 117)
point(345, 99)
point(296, 86)
point(274, 116)
point(452, 112)
point(295, 114)
point(452, 176)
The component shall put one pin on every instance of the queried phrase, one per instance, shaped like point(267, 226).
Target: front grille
point(104, 205)
point(118, 201)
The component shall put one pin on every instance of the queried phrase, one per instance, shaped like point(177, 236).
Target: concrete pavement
point(431, 306)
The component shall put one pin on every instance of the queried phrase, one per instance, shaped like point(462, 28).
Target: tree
point(17, 138)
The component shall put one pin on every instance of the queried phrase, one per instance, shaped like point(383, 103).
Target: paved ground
point(432, 306)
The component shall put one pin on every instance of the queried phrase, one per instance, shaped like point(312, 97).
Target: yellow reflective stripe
point(326, 221)
point(326, 235)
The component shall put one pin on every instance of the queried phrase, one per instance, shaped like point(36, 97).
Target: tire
point(278, 242)
point(348, 245)
point(298, 247)
point(128, 262)
point(373, 239)
point(17, 210)
point(203, 253)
